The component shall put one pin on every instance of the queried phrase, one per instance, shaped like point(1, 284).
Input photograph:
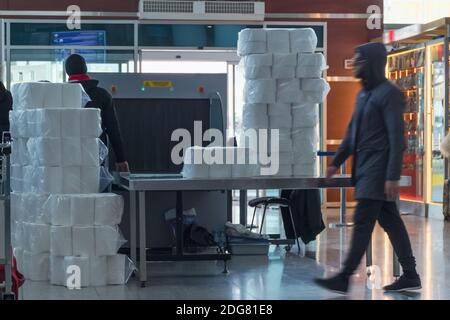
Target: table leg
point(243, 207)
point(142, 241)
point(179, 222)
point(133, 230)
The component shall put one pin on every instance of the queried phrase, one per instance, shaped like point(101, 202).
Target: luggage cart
point(6, 288)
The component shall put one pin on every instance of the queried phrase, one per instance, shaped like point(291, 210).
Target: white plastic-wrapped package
point(255, 72)
point(252, 41)
point(71, 180)
point(29, 95)
point(257, 66)
point(305, 156)
point(38, 201)
point(53, 97)
point(32, 205)
point(120, 269)
point(90, 119)
point(310, 65)
point(304, 139)
point(61, 240)
point(83, 241)
point(288, 91)
point(45, 151)
point(16, 204)
point(108, 240)
point(284, 144)
point(18, 124)
point(260, 91)
point(245, 163)
point(45, 123)
point(82, 265)
point(250, 34)
point(216, 158)
point(314, 90)
point(90, 179)
point(57, 272)
point(98, 268)
point(19, 152)
point(251, 47)
point(29, 175)
point(18, 238)
point(195, 171)
point(71, 123)
point(305, 170)
point(303, 40)
point(72, 95)
point(280, 121)
point(305, 116)
point(277, 109)
point(44, 95)
point(258, 60)
point(82, 208)
point(309, 72)
point(58, 207)
point(284, 65)
point(17, 178)
point(312, 60)
point(278, 40)
point(254, 116)
point(220, 171)
point(36, 266)
point(194, 166)
point(71, 152)
point(47, 179)
point(38, 237)
point(245, 170)
point(108, 209)
point(90, 155)
point(15, 95)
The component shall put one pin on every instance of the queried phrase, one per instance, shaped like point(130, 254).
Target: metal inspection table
point(139, 184)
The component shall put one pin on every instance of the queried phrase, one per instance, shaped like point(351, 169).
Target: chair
point(266, 202)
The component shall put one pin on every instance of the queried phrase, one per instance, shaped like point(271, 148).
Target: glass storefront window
point(437, 92)
point(407, 71)
point(47, 65)
point(38, 65)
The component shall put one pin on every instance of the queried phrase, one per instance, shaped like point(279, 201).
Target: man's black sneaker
point(404, 284)
point(338, 283)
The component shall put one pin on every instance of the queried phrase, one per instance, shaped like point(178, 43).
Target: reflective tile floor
point(284, 275)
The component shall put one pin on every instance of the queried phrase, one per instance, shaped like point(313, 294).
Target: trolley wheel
point(288, 248)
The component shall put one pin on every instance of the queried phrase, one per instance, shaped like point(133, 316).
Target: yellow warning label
point(158, 84)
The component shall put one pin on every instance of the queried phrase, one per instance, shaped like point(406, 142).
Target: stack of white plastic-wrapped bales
point(60, 221)
point(283, 90)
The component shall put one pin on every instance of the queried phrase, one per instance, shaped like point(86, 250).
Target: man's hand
point(392, 190)
point(122, 167)
point(331, 171)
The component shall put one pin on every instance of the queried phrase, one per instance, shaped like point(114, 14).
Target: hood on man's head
point(374, 71)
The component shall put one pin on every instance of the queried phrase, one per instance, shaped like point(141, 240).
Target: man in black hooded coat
point(375, 139)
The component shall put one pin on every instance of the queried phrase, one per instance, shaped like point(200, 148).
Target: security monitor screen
point(147, 125)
